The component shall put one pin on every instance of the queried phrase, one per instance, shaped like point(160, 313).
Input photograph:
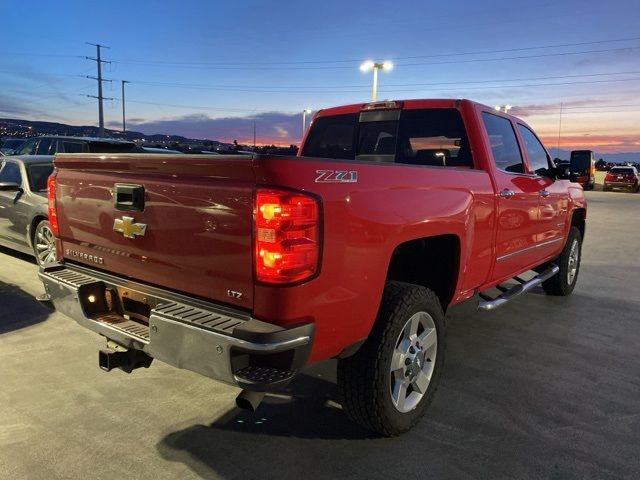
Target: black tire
point(41, 235)
point(560, 284)
point(605, 188)
point(365, 379)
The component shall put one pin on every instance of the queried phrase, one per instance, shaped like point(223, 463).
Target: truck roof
point(409, 103)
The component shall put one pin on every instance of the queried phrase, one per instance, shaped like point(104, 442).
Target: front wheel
point(563, 283)
point(388, 384)
point(44, 243)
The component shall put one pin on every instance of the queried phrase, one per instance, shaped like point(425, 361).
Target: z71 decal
point(336, 176)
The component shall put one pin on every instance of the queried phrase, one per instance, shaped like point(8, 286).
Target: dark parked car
point(23, 206)
point(52, 144)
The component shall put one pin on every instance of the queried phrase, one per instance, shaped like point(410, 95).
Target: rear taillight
point(287, 236)
point(51, 196)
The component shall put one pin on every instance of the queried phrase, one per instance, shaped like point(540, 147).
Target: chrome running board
point(488, 303)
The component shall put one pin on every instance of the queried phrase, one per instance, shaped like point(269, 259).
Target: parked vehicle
point(24, 224)
point(247, 268)
point(584, 168)
point(622, 178)
point(52, 144)
point(9, 145)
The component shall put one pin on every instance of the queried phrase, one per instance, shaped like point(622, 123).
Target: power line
point(439, 55)
point(284, 89)
point(219, 66)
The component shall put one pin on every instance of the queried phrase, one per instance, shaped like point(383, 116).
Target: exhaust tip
point(248, 400)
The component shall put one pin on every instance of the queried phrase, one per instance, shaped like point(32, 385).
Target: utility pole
point(124, 123)
point(254, 136)
point(99, 79)
point(559, 130)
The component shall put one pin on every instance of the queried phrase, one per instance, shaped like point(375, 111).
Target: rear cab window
point(429, 137)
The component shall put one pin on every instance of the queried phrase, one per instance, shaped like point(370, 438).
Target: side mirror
point(10, 187)
point(563, 172)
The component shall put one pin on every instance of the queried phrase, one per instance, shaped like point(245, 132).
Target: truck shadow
point(19, 309)
point(472, 414)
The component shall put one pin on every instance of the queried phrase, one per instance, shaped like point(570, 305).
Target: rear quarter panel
point(363, 223)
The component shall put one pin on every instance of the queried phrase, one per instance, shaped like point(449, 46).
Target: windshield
point(12, 143)
point(434, 137)
point(38, 175)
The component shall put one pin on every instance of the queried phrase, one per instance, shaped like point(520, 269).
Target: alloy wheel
point(413, 362)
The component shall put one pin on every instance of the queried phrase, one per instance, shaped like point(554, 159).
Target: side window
point(27, 148)
point(43, 147)
point(504, 144)
point(11, 173)
point(538, 160)
point(73, 147)
point(434, 137)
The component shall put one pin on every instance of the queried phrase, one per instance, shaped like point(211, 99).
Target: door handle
point(544, 193)
point(506, 193)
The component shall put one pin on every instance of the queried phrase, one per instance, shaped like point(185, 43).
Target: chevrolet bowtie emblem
point(128, 228)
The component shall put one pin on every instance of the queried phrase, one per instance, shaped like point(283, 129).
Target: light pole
point(305, 112)
point(368, 65)
point(124, 123)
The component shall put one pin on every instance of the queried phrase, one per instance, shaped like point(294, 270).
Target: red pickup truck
point(247, 268)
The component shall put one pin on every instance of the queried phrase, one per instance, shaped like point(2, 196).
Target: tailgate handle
point(128, 196)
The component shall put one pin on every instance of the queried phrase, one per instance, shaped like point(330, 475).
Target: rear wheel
point(388, 384)
point(564, 281)
point(44, 244)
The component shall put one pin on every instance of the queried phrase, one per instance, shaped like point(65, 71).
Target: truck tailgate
point(193, 233)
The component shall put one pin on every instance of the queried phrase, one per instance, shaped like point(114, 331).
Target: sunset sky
point(210, 69)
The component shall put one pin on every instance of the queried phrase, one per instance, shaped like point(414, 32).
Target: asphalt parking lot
point(543, 388)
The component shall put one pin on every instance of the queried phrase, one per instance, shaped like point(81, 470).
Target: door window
point(538, 159)
point(504, 143)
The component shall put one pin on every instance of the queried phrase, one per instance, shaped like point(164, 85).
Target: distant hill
point(10, 127)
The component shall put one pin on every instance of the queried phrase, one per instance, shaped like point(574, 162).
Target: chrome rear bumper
point(215, 341)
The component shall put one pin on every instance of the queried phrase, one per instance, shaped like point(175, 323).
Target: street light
point(503, 108)
point(305, 112)
point(369, 65)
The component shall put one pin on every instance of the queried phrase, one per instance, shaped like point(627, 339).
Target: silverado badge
point(128, 227)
